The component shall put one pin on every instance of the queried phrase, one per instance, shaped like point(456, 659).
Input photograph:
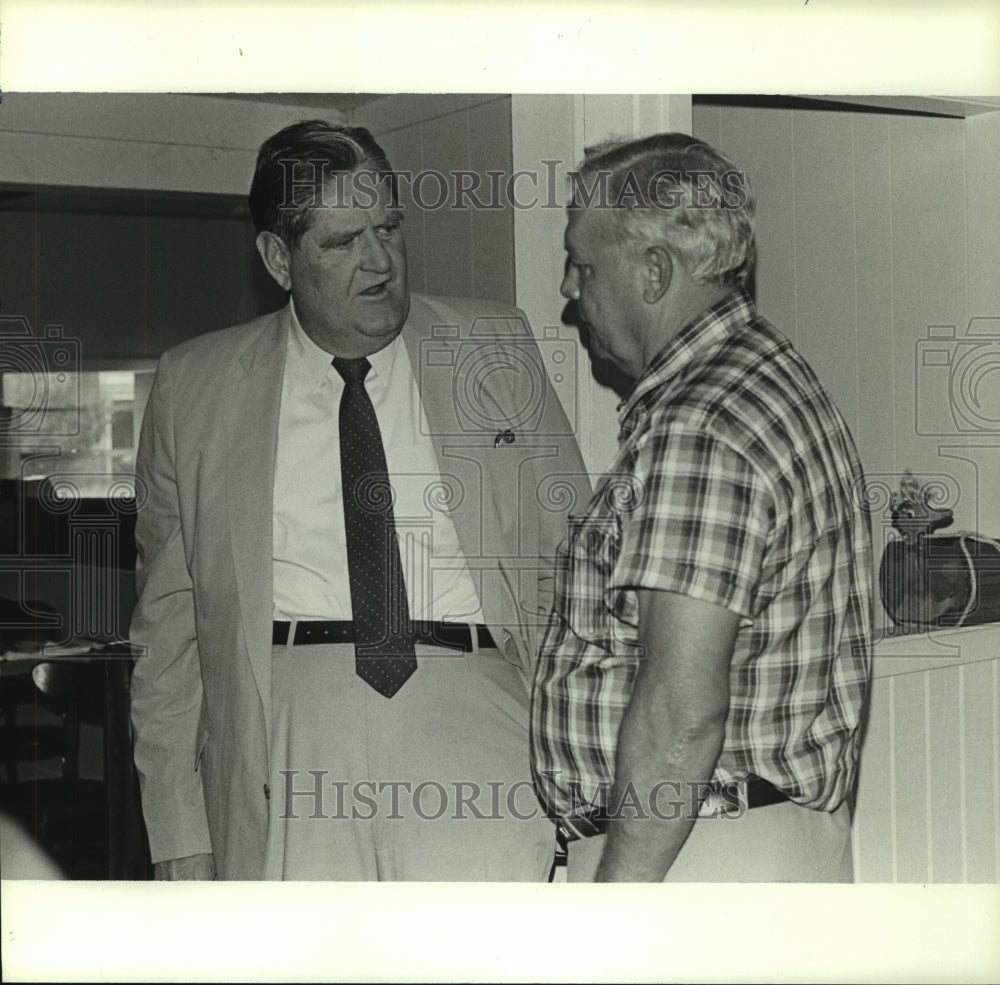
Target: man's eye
point(388, 230)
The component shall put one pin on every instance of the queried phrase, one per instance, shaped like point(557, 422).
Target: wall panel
point(928, 807)
point(760, 142)
point(488, 132)
point(981, 771)
point(455, 248)
point(873, 232)
point(825, 253)
point(864, 226)
point(448, 242)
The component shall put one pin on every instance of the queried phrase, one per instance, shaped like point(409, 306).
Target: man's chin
point(608, 371)
point(382, 329)
point(599, 354)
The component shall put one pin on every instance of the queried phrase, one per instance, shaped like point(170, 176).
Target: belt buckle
point(564, 834)
point(582, 826)
point(724, 800)
point(454, 636)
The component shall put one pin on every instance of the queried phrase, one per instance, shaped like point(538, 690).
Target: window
point(77, 429)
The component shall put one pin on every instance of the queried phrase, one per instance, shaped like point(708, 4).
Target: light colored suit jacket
point(201, 688)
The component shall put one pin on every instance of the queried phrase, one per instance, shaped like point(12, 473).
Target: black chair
point(92, 828)
point(25, 629)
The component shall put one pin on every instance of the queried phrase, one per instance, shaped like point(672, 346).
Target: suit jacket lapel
point(453, 446)
point(256, 402)
point(485, 513)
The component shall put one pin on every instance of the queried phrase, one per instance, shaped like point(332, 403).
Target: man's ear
point(657, 272)
point(275, 254)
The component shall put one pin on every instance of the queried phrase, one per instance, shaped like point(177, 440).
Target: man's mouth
point(376, 291)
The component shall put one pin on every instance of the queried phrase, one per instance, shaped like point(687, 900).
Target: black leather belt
point(453, 635)
point(759, 793)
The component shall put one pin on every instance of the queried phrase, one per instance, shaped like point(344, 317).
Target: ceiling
point(953, 106)
point(343, 102)
point(346, 102)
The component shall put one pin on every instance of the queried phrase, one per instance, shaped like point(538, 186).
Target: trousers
point(432, 784)
point(780, 843)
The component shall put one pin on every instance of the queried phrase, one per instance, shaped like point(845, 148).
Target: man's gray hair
point(675, 190)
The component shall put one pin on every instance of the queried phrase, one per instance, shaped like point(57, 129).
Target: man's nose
point(376, 257)
point(569, 288)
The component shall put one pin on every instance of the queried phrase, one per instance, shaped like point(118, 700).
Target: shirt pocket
point(595, 544)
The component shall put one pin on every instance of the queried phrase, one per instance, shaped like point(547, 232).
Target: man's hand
point(201, 867)
point(672, 730)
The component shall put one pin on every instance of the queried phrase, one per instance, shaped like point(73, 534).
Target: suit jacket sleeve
point(166, 681)
point(561, 486)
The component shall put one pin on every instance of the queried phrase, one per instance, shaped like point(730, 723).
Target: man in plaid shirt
point(699, 694)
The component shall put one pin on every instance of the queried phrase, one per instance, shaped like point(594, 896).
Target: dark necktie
point(383, 649)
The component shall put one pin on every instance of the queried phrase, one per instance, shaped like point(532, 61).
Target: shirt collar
point(312, 365)
point(703, 333)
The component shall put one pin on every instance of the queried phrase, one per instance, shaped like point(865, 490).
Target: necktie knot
point(352, 370)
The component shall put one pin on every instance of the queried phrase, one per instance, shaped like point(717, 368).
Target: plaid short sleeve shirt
point(737, 483)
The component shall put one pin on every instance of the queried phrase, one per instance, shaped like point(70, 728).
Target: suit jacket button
point(267, 792)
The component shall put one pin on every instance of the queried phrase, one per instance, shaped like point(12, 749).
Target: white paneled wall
point(928, 806)
point(873, 228)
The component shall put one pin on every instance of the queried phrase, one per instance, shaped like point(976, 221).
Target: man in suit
point(350, 510)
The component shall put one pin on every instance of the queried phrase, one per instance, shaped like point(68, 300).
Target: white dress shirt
point(310, 548)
